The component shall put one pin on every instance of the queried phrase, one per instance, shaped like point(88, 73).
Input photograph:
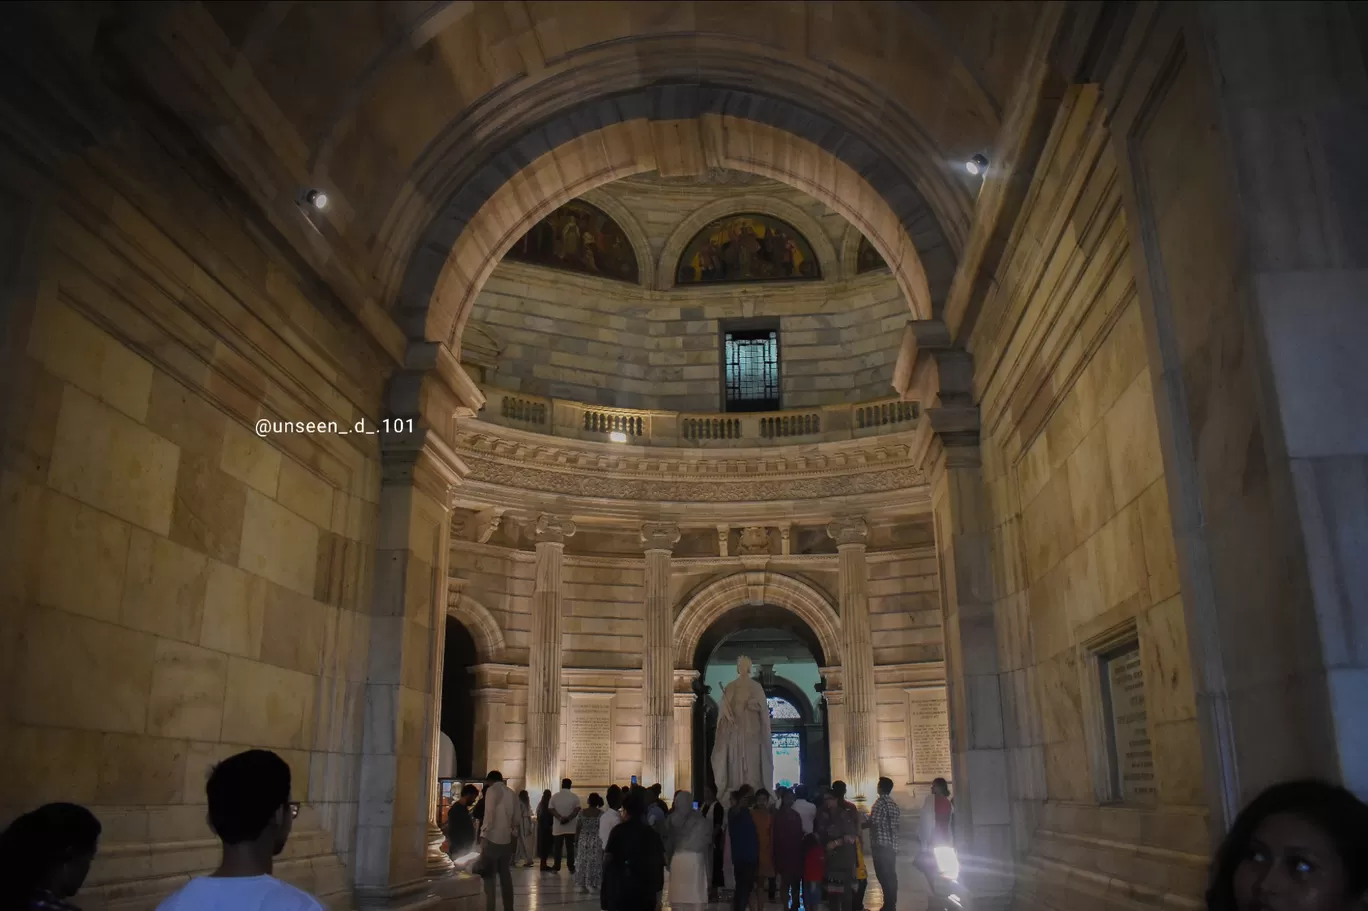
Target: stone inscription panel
point(1132, 753)
point(589, 742)
point(928, 727)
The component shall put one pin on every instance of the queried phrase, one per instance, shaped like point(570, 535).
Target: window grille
point(751, 358)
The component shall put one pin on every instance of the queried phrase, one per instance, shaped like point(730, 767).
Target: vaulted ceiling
point(413, 115)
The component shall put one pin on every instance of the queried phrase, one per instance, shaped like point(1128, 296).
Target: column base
point(436, 862)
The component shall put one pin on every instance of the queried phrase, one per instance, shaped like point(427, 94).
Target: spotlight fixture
point(316, 198)
point(976, 165)
point(617, 436)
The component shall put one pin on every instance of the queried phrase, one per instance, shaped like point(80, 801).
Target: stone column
point(684, 698)
point(544, 662)
point(491, 707)
point(657, 664)
point(857, 660)
point(398, 798)
point(834, 701)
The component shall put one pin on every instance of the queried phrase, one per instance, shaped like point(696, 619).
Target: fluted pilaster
point(861, 732)
point(544, 660)
point(657, 667)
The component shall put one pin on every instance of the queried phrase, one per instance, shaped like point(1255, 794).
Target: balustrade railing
point(641, 427)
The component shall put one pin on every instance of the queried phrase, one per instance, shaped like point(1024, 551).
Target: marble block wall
point(1083, 544)
point(609, 343)
point(176, 588)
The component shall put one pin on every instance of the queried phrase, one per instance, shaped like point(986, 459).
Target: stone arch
point(850, 252)
point(484, 629)
point(704, 215)
point(710, 603)
point(636, 133)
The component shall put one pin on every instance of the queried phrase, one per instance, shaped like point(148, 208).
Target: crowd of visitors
point(1299, 844)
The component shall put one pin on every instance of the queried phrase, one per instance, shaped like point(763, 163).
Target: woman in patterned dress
point(588, 847)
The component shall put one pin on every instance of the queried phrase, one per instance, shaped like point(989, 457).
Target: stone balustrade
point(579, 420)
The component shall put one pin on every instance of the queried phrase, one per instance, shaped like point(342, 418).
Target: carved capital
point(659, 535)
point(481, 526)
point(722, 533)
point(553, 529)
point(849, 530)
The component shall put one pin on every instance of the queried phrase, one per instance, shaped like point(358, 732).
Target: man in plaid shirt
point(883, 824)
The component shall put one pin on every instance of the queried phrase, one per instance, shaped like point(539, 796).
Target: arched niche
point(747, 247)
point(483, 628)
point(579, 236)
point(770, 600)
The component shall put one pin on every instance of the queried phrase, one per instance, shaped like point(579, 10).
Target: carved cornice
point(525, 462)
point(423, 460)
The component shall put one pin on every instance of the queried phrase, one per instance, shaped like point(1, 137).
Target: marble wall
point(177, 588)
point(1083, 544)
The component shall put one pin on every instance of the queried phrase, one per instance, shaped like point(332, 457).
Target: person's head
point(595, 800)
point(683, 800)
point(654, 791)
point(762, 798)
point(800, 791)
point(249, 800)
point(747, 793)
point(940, 787)
point(526, 801)
point(1298, 846)
point(49, 848)
point(566, 784)
point(830, 799)
point(839, 789)
point(469, 794)
point(494, 777)
point(546, 797)
point(736, 798)
point(885, 787)
point(787, 797)
point(634, 807)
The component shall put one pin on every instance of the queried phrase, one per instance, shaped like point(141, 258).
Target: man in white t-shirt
point(565, 807)
point(251, 812)
point(498, 838)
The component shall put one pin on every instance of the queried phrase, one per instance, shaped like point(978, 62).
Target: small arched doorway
point(787, 657)
point(458, 697)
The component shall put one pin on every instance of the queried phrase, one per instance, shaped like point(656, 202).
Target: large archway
point(467, 240)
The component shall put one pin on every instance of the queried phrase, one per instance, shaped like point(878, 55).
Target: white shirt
point(564, 803)
point(239, 893)
point(503, 812)
point(607, 822)
point(807, 812)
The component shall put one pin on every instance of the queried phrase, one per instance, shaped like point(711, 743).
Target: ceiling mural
point(868, 259)
point(747, 248)
point(579, 237)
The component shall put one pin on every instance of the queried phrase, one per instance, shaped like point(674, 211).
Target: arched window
point(781, 709)
point(747, 248)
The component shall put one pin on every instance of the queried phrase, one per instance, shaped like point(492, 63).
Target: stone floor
point(534, 890)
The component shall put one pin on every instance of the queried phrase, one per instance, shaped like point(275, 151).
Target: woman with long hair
point(45, 856)
point(526, 832)
point(588, 848)
point(545, 819)
point(688, 852)
point(1298, 845)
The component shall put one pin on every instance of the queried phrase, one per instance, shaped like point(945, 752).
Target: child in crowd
point(814, 872)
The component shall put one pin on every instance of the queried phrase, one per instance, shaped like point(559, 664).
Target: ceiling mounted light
point(976, 165)
point(316, 198)
point(617, 436)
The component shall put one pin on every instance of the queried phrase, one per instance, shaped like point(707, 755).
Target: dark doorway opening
point(458, 696)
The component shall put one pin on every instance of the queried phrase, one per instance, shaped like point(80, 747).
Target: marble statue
point(742, 753)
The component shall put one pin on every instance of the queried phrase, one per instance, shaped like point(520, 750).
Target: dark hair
point(567, 784)
point(614, 797)
point(545, 799)
point(595, 800)
point(1330, 808)
point(838, 788)
point(941, 782)
point(800, 791)
point(655, 789)
point(522, 795)
point(244, 792)
point(470, 789)
point(495, 775)
point(39, 841)
point(762, 791)
point(634, 806)
point(745, 790)
point(885, 786)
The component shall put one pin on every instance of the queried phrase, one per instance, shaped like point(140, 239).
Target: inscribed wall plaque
point(1132, 754)
point(589, 741)
point(928, 734)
